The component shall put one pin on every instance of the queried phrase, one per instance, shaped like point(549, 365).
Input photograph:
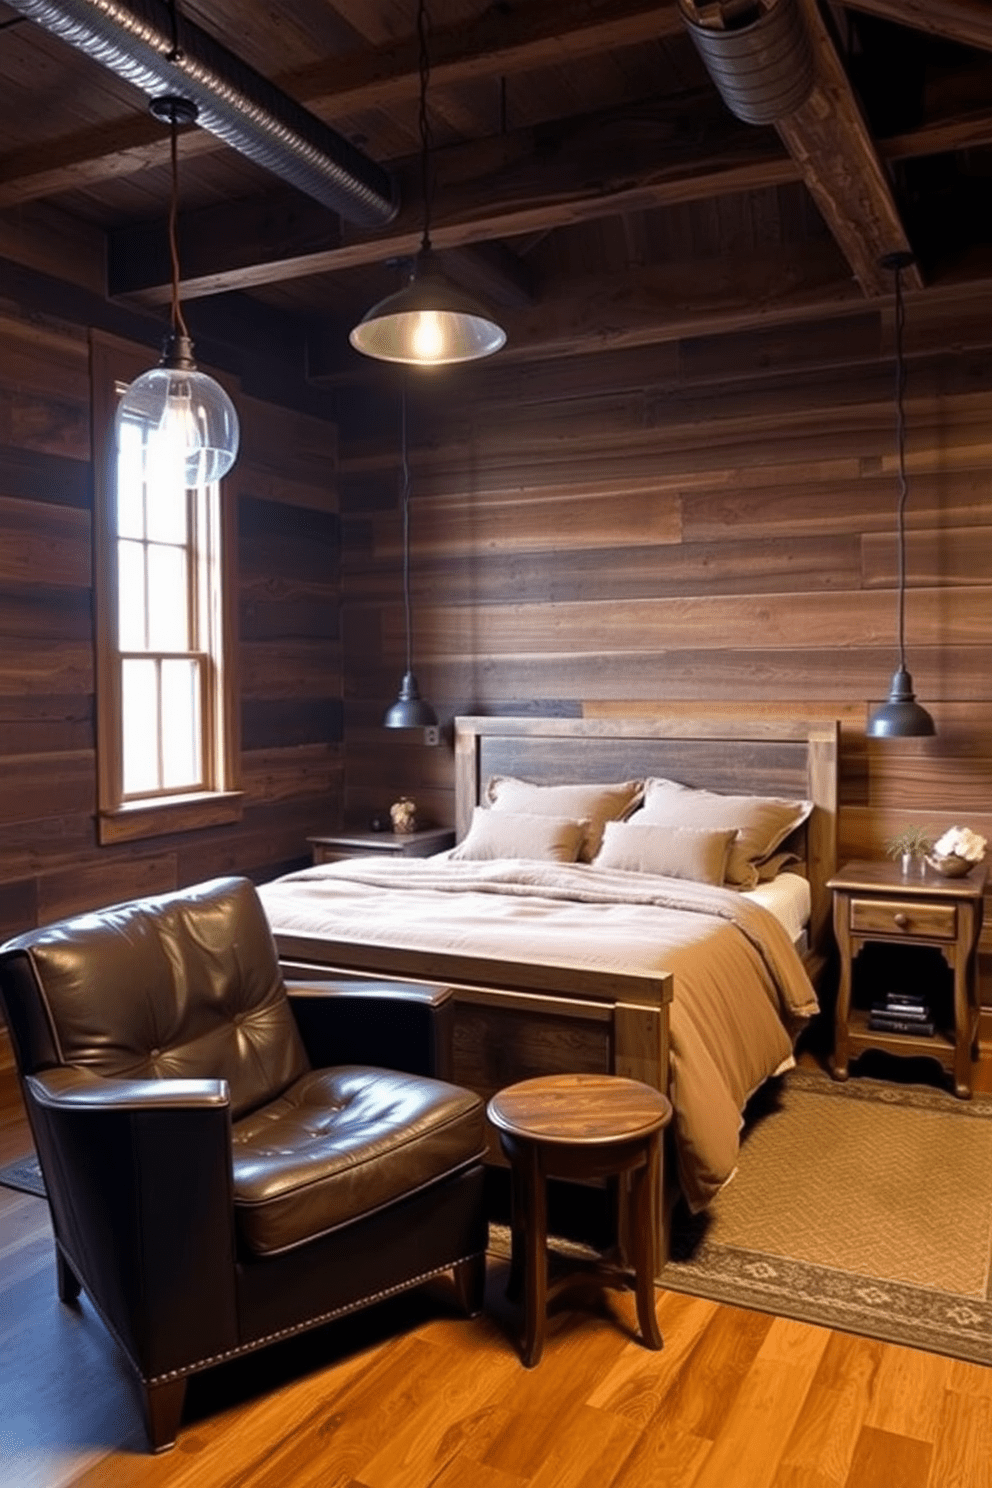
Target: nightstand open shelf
point(877, 906)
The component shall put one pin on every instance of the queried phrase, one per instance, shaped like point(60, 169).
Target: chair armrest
point(399, 1025)
point(139, 1180)
point(78, 1089)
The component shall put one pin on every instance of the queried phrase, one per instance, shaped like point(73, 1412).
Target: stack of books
point(901, 1012)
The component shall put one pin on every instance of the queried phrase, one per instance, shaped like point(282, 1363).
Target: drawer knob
point(901, 919)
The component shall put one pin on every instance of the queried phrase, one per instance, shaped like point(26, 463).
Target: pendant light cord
point(901, 455)
point(405, 500)
point(423, 120)
point(178, 319)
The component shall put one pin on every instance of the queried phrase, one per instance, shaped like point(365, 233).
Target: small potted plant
point(911, 847)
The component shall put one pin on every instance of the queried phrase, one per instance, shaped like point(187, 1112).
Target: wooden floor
point(410, 1395)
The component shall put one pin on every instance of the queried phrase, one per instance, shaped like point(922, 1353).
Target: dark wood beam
point(530, 180)
point(503, 42)
point(831, 144)
point(965, 21)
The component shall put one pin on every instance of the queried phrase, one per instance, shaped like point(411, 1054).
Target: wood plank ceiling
point(587, 176)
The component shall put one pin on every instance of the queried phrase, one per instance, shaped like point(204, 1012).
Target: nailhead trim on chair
point(257, 1343)
point(314, 1322)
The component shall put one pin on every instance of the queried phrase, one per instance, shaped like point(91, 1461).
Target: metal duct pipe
point(757, 52)
point(152, 46)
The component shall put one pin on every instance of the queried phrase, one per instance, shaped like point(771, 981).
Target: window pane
point(131, 596)
point(168, 603)
point(130, 492)
point(181, 764)
point(139, 707)
point(167, 504)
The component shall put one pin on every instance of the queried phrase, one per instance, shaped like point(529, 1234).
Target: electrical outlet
point(432, 734)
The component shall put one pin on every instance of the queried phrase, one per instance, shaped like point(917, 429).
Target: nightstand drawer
point(903, 917)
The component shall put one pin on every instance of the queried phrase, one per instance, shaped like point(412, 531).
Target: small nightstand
point(874, 901)
point(337, 845)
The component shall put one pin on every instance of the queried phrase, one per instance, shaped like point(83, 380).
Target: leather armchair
point(212, 1187)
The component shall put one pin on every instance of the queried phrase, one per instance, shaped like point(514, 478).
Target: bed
point(551, 966)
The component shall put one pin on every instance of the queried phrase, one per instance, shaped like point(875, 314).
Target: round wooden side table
point(580, 1127)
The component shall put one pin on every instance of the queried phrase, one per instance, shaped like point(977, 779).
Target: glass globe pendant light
point(900, 716)
point(430, 322)
point(181, 417)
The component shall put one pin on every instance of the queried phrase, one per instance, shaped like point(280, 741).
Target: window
point(164, 602)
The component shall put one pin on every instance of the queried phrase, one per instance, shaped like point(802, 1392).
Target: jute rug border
point(896, 1313)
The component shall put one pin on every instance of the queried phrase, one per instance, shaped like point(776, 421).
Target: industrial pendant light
point(181, 417)
point(430, 322)
point(409, 710)
point(901, 716)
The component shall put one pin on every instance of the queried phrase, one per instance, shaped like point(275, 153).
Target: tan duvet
point(741, 993)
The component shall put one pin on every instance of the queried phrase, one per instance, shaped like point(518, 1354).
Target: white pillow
point(762, 823)
point(507, 834)
point(596, 803)
point(695, 853)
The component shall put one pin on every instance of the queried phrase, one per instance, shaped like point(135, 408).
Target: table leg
point(518, 1205)
point(644, 1198)
point(535, 1227)
point(842, 1010)
point(962, 1021)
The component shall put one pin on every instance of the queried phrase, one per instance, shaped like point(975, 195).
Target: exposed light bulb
point(428, 336)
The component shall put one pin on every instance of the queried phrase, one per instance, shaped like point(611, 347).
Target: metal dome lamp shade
point(174, 413)
point(430, 322)
point(900, 716)
point(409, 710)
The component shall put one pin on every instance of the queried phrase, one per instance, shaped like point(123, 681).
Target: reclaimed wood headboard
point(761, 756)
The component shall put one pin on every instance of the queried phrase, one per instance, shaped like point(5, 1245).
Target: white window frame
point(213, 585)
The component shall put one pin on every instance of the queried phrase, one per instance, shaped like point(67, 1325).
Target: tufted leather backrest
point(184, 985)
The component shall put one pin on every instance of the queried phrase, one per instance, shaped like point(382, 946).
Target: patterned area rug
point(864, 1206)
point(25, 1176)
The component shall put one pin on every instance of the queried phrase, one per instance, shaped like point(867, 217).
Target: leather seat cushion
point(341, 1142)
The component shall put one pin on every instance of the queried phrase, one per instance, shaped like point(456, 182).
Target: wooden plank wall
point(289, 656)
point(709, 519)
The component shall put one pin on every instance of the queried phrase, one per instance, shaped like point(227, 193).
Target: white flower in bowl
point(960, 842)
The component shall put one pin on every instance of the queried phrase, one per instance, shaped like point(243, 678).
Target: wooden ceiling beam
point(831, 144)
point(502, 43)
point(966, 21)
point(531, 180)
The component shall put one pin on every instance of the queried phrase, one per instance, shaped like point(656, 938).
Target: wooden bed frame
point(506, 1020)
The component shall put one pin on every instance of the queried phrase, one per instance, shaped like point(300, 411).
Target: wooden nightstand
point(337, 845)
point(874, 901)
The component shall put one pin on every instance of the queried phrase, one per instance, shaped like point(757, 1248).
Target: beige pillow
point(598, 804)
point(762, 822)
point(675, 852)
point(507, 834)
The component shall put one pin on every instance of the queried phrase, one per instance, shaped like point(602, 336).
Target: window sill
point(174, 814)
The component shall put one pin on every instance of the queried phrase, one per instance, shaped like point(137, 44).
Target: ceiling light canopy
point(175, 414)
point(900, 716)
point(430, 322)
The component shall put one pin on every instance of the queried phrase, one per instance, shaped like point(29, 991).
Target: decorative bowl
point(949, 865)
